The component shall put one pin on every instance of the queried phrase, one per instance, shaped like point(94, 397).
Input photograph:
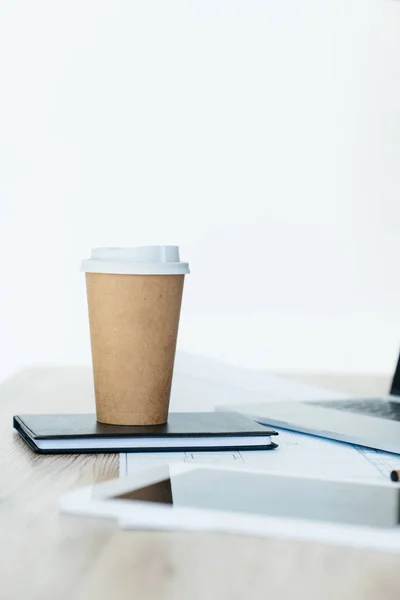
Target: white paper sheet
point(297, 454)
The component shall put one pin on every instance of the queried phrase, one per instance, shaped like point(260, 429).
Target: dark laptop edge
point(395, 389)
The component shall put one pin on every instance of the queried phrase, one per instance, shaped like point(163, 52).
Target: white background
point(261, 136)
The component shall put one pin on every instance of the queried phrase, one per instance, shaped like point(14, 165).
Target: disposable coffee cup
point(134, 301)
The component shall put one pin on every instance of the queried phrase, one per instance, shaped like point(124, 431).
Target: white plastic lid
point(143, 260)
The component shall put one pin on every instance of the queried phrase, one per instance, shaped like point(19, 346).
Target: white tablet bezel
point(96, 500)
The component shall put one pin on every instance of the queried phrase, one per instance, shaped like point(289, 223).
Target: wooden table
point(45, 555)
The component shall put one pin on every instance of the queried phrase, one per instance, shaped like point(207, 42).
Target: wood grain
point(44, 555)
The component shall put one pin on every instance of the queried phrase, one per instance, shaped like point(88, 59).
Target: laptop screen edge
point(395, 388)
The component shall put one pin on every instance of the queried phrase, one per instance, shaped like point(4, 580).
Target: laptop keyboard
point(372, 406)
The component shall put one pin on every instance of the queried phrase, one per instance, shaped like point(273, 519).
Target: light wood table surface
point(45, 555)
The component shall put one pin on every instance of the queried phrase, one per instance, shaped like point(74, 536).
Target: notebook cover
point(101, 450)
point(41, 423)
point(218, 424)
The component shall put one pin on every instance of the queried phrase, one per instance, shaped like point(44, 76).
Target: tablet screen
point(274, 495)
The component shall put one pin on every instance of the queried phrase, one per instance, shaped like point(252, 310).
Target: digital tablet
point(209, 498)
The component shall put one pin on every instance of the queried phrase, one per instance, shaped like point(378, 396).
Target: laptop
point(371, 422)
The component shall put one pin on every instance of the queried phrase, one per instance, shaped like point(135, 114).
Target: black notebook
point(52, 434)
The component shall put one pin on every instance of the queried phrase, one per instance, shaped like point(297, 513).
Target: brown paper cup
point(133, 328)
